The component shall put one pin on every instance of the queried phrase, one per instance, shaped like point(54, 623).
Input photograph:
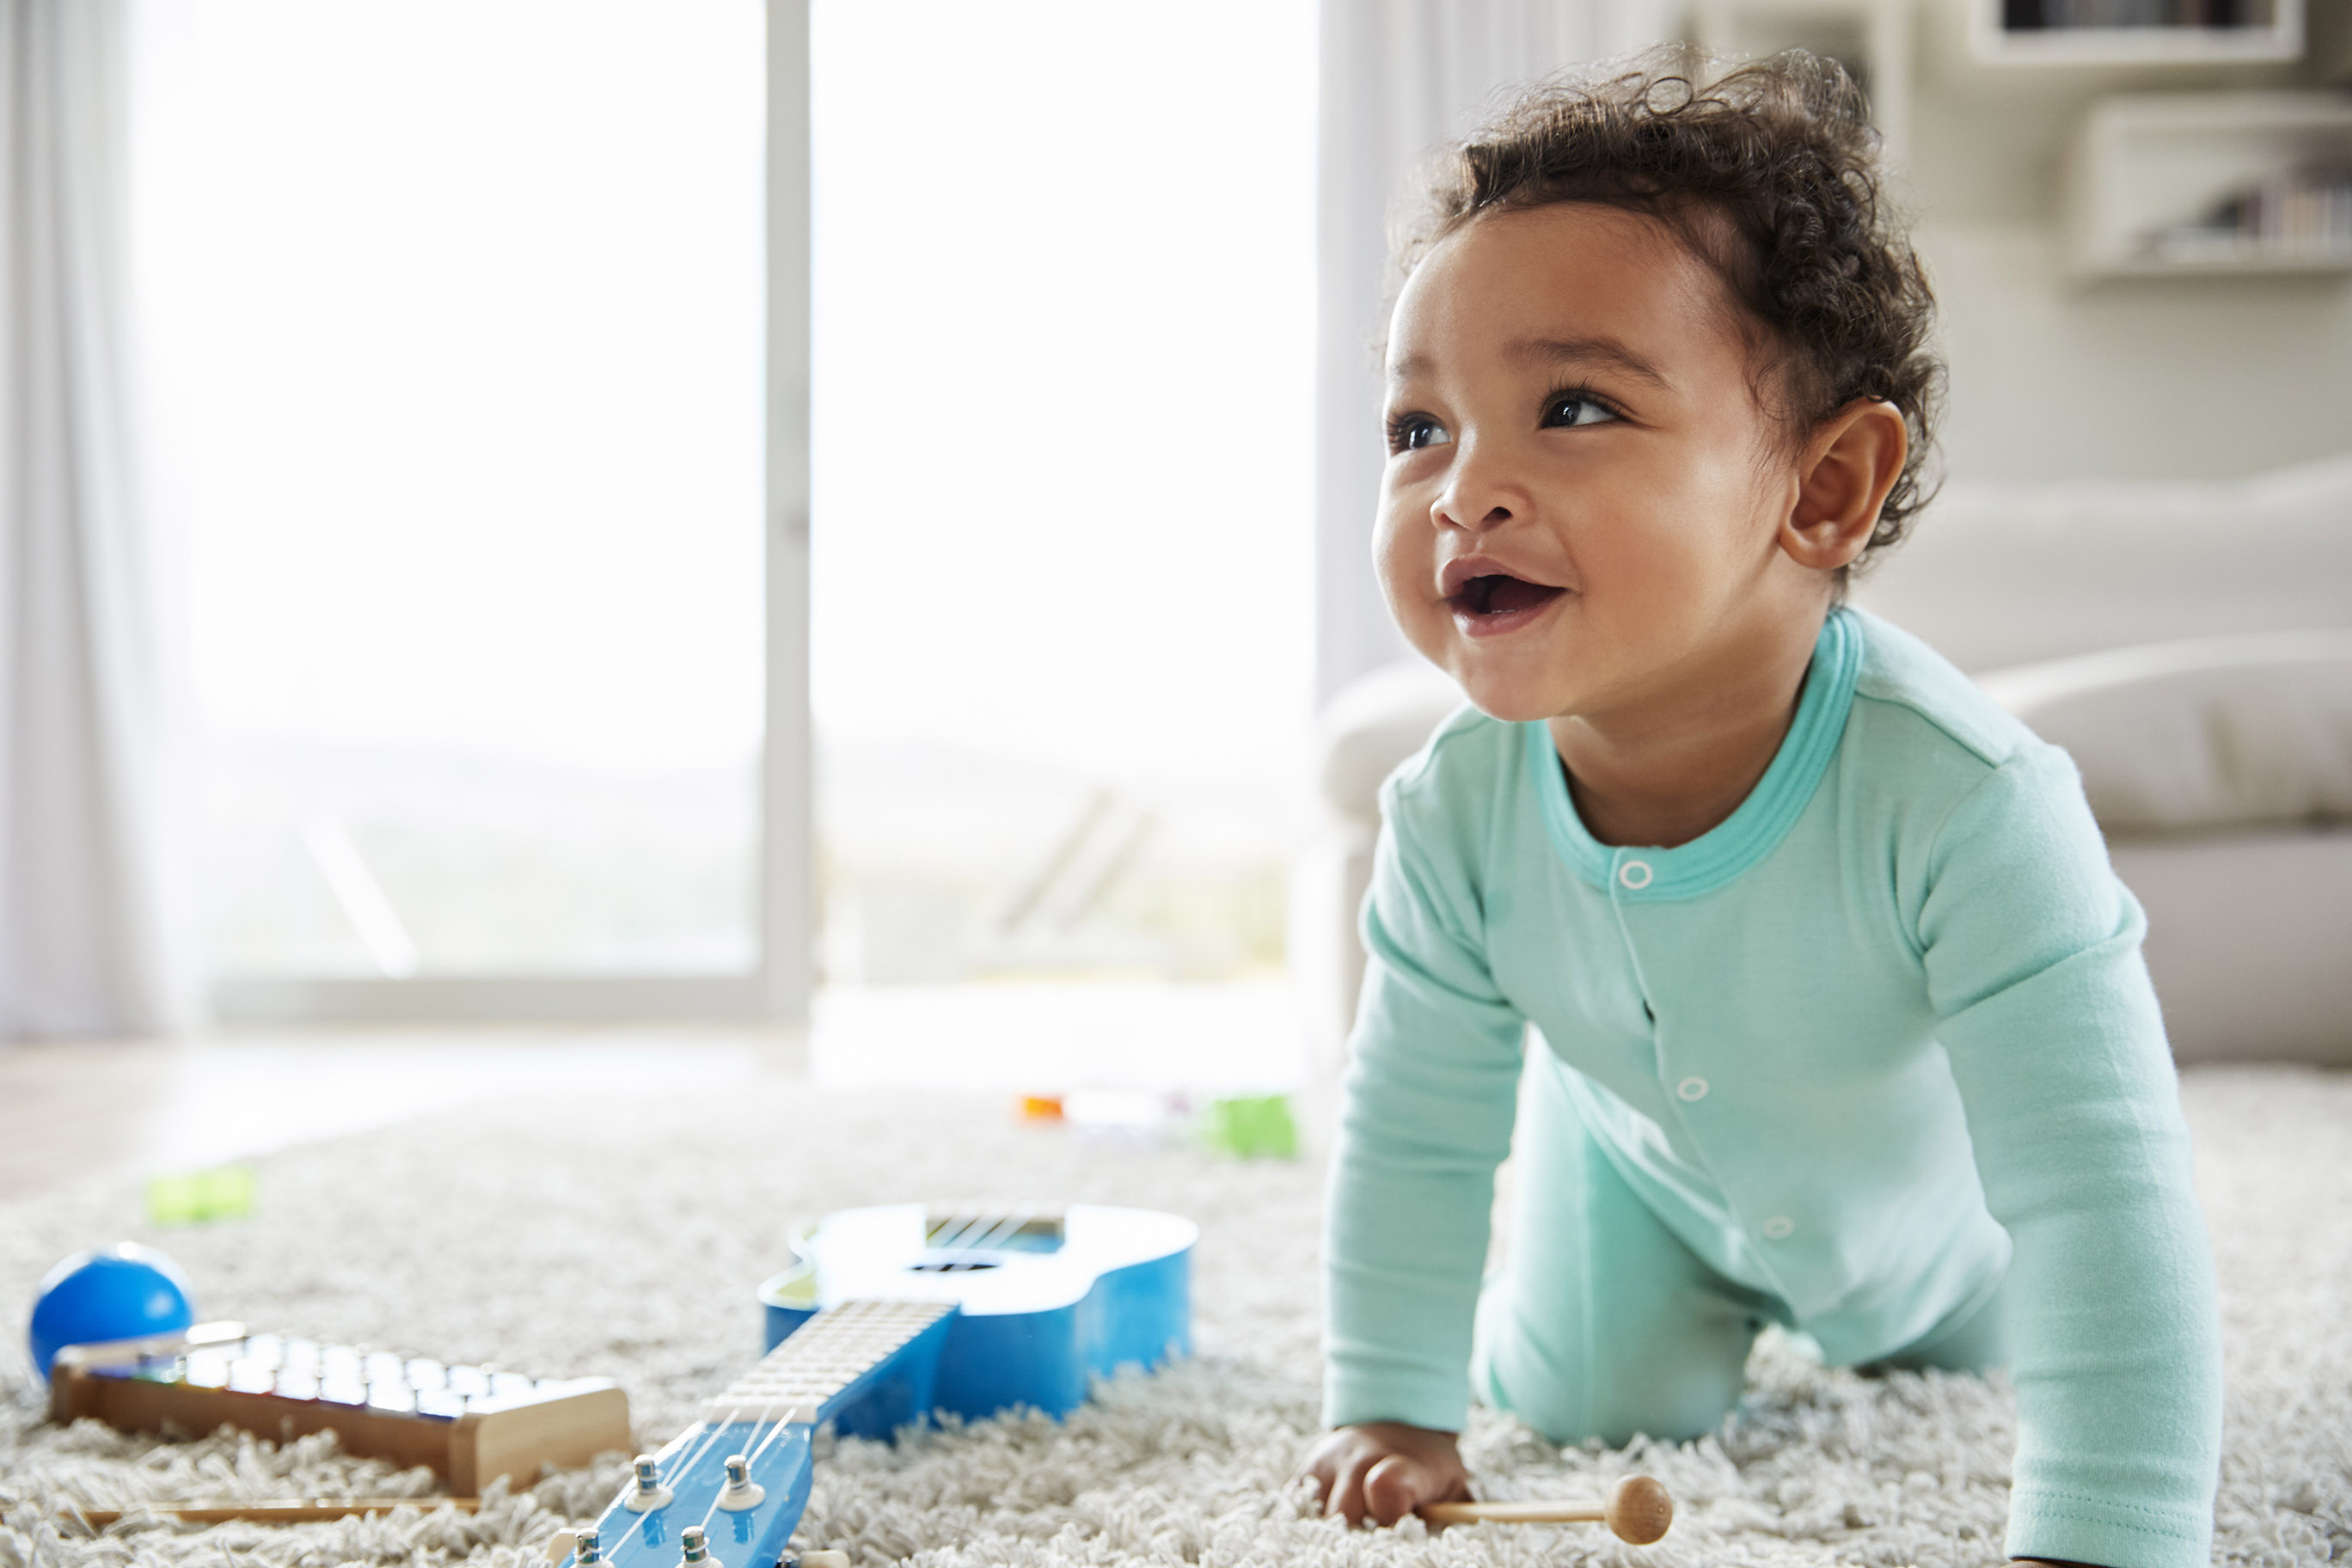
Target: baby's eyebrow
point(1589, 351)
point(1407, 367)
point(1604, 349)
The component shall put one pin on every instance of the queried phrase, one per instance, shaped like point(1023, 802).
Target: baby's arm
point(1430, 1093)
point(2032, 954)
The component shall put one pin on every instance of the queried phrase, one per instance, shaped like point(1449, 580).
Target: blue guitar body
point(1047, 1303)
point(893, 1314)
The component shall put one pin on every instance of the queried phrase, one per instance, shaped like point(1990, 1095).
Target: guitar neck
point(728, 1491)
point(804, 1377)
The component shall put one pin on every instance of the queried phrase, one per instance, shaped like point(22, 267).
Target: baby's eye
point(1412, 432)
point(1572, 408)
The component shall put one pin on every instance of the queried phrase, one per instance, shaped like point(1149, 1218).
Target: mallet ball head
point(1639, 1511)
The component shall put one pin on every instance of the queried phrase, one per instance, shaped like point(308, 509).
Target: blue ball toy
point(123, 1292)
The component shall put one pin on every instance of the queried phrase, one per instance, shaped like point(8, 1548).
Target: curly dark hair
point(1768, 174)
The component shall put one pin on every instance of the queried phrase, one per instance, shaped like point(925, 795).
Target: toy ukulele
point(895, 1312)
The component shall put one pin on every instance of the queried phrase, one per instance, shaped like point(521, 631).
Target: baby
point(1839, 1019)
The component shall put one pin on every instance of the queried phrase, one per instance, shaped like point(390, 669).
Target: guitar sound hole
point(953, 1263)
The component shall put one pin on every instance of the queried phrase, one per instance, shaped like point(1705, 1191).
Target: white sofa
point(2189, 643)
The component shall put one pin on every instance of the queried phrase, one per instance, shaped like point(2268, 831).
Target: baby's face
point(1581, 508)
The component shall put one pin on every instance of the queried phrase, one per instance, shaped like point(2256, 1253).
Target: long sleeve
point(1431, 1090)
point(2033, 955)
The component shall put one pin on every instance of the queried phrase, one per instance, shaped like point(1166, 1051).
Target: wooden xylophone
point(470, 1423)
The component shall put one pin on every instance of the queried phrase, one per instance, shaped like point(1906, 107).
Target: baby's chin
point(1512, 697)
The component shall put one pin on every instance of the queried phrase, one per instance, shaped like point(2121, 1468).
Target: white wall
point(2169, 378)
point(2172, 378)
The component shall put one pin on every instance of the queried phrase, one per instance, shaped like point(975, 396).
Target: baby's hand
point(1384, 1469)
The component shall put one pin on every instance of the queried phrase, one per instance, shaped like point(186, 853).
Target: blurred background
point(475, 421)
point(460, 391)
point(849, 521)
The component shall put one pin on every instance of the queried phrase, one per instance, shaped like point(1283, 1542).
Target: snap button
point(1634, 874)
point(1693, 1088)
point(1779, 1227)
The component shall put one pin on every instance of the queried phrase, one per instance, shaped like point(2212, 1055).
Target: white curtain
point(1399, 76)
point(82, 948)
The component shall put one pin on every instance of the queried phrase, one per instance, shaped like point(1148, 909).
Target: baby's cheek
point(1689, 539)
point(1404, 555)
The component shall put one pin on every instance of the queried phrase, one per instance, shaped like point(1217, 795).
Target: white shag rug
point(624, 1238)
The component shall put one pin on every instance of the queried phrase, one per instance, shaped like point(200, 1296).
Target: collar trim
point(1633, 874)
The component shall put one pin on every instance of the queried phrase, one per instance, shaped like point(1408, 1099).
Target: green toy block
point(1251, 1126)
point(192, 1198)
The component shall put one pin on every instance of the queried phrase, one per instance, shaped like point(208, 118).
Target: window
point(454, 347)
point(1063, 337)
point(455, 329)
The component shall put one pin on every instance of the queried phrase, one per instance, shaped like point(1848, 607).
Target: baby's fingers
point(1327, 1468)
point(1396, 1486)
point(1345, 1499)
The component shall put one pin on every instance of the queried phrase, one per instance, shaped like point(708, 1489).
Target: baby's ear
point(1843, 476)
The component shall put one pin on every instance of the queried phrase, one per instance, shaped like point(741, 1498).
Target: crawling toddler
point(1839, 1015)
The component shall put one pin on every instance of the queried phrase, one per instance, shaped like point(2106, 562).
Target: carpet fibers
point(622, 1236)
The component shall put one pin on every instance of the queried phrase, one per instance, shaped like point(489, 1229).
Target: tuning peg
point(586, 1553)
point(741, 1492)
point(690, 1540)
point(649, 1494)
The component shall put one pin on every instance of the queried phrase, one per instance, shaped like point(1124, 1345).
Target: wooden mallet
point(1638, 1510)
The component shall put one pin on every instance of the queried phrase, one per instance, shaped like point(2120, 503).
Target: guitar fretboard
point(826, 1355)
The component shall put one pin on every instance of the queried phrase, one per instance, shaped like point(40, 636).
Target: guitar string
point(783, 1426)
point(677, 1470)
point(1014, 1218)
point(945, 1237)
point(637, 1520)
point(1005, 1229)
point(1007, 1224)
point(839, 1385)
point(717, 1430)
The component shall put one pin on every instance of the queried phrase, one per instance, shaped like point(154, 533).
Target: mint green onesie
point(1876, 1058)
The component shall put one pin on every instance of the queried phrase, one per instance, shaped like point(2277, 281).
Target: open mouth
point(1499, 593)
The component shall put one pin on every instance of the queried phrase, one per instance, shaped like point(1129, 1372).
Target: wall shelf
point(2145, 173)
point(2272, 31)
